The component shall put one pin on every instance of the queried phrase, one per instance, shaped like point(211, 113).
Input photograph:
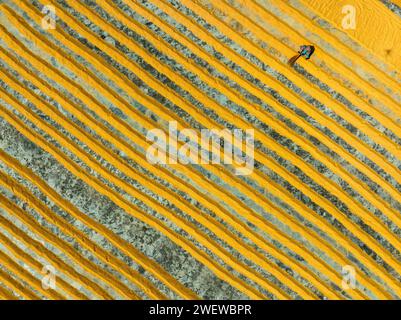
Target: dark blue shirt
point(306, 51)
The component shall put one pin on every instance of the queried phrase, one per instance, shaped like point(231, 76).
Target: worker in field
point(305, 51)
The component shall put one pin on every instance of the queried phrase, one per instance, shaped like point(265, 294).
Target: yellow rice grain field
point(308, 207)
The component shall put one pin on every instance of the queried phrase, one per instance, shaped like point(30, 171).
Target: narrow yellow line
point(397, 2)
point(6, 294)
point(41, 249)
point(24, 194)
point(62, 285)
point(16, 287)
point(12, 185)
point(27, 277)
point(55, 241)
